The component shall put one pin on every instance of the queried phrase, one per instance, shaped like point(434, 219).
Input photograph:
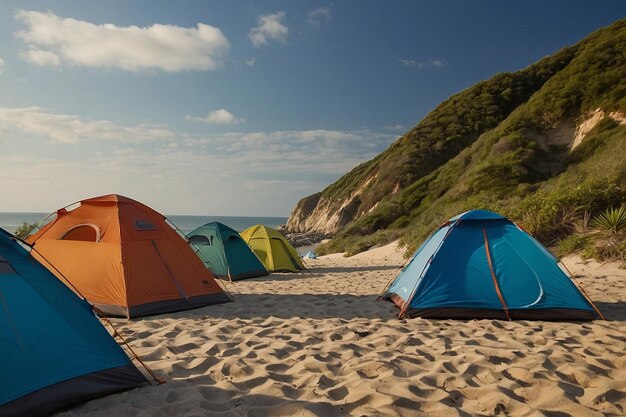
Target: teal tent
point(225, 253)
point(54, 351)
point(479, 264)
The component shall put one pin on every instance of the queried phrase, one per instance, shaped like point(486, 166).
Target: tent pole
point(36, 225)
point(493, 276)
point(158, 380)
point(46, 217)
point(169, 271)
point(393, 277)
point(230, 278)
point(59, 272)
point(236, 288)
point(408, 301)
point(206, 261)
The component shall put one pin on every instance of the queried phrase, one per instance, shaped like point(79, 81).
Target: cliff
point(501, 144)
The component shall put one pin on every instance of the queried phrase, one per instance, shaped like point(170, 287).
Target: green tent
point(225, 253)
point(272, 249)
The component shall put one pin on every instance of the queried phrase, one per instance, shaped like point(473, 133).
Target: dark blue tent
point(53, 349)
point(481, 265)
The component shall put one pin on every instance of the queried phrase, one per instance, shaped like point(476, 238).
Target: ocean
point(11, 221)
point(188, 223)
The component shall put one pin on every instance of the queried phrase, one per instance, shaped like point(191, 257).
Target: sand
point(317, 343)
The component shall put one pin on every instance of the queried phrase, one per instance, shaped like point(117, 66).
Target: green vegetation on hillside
point(447, 130)
point(490, 147)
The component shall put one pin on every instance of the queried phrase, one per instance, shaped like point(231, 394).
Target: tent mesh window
point(82, 232)
point(144, 225)
point(200, 240)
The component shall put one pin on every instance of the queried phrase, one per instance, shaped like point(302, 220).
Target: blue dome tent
point(53, 349)
point(479, 264)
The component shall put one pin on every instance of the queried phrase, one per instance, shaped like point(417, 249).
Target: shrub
point(612, 221)
point(572, 243)
point(23, 230)
point(612, 251)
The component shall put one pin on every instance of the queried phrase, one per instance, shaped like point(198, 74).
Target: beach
point(317, 343)
point(150, 152)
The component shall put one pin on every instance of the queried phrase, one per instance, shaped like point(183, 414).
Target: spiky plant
point(565, 219)
point(612, 221)
point(581, 226)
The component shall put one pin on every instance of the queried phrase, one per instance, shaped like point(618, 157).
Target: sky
point(236, 107)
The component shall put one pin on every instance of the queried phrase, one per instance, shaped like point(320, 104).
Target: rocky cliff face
point(321, 214)
point(297, 222)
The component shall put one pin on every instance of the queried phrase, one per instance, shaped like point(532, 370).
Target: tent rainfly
point(225, 253)
point(125, 258)
point(479, 264)
point(54, 351)
point(272, 249)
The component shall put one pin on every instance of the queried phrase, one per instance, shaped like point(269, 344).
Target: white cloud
point(319, 16)
point(250, 62)
point(1, 65)
point(394, 127)
point(270, 27)
point(69, 129)
point(54, 41)
point(317, 144)
point(41, 57)
point(217, 117)
point(408, 62)
point(326, 151)
point(79, 158)
point(434, 63)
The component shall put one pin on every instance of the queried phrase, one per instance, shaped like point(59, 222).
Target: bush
point(23, 230)
point(572, 243)
point(612, 221)
point(612, 250)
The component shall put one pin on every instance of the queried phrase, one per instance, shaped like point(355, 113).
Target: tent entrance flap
point(169, 271)
point(540, 292)
point(289, 255)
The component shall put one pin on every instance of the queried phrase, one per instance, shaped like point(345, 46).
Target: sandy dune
point(317, 344)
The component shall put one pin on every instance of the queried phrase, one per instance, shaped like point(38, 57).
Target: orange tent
point(122, 256)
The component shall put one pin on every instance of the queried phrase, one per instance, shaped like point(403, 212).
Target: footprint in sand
point(338, 393)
